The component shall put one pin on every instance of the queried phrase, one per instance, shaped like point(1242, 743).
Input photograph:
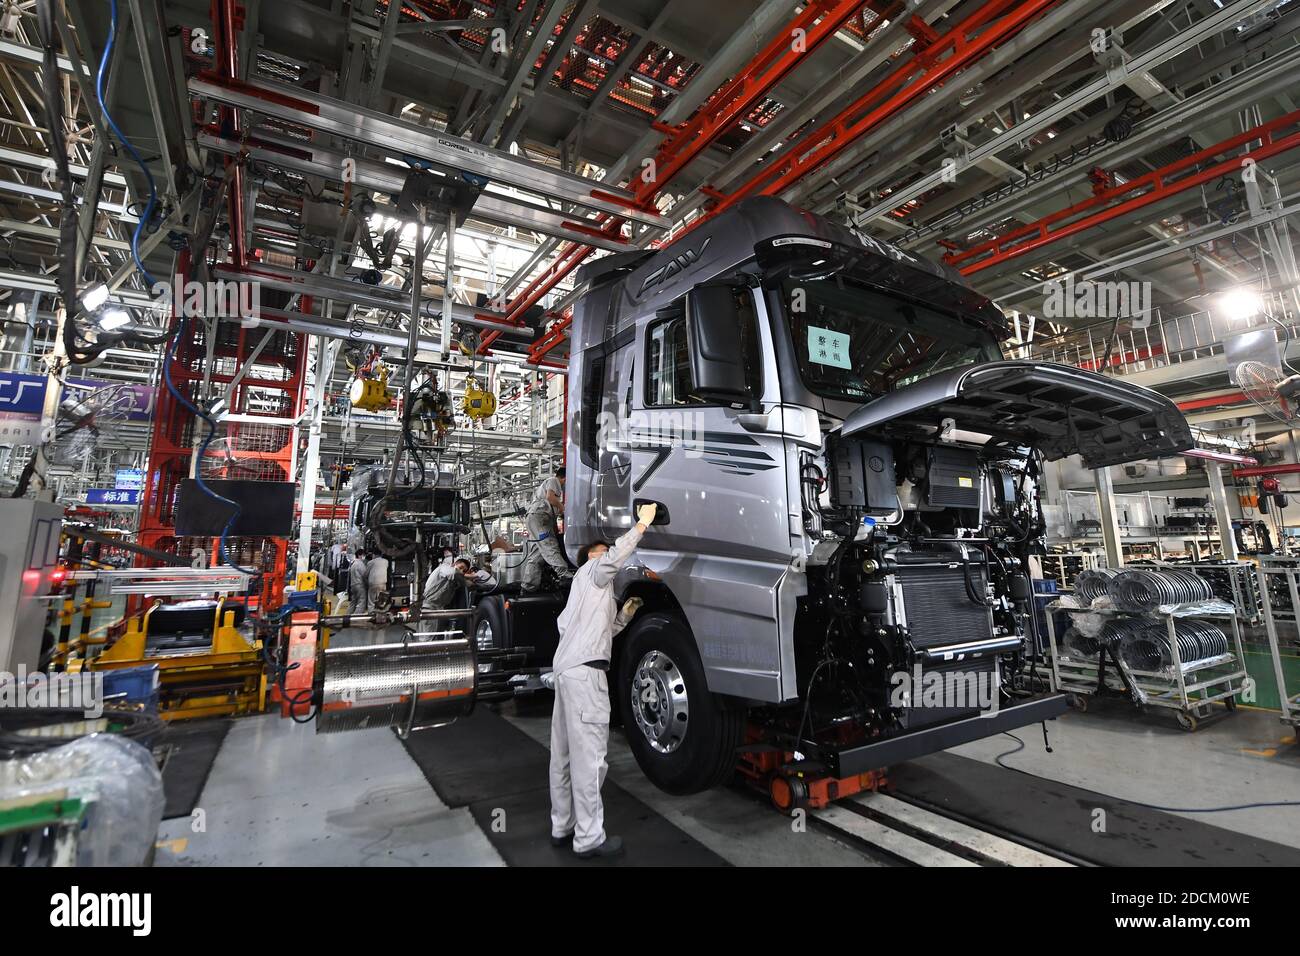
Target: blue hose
point(147, 215)
point(145, 218)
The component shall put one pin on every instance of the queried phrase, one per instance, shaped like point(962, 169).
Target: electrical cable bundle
point(1092, 583)
point(1085, 644)
point(30, 730)
point(1146, 589)
point(1144, 645)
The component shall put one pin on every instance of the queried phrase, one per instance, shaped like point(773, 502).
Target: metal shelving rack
point(1289, 702)
point(1191, 689)
point(1064, 567)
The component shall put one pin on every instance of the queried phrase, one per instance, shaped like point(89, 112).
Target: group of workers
point(579, 675)
point(367, 581)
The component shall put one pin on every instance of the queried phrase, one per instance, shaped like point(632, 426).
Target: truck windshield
point(855, 343)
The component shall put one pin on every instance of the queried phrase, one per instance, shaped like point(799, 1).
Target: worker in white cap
point(545, 549)
point(580, 721)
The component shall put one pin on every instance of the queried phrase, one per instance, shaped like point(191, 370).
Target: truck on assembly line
point(848, 474)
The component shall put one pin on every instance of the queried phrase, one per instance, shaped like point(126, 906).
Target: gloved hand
point(548, 679)
point(646, 514)
point(631, 606)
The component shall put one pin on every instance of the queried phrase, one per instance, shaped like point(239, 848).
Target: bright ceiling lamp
point(1240, 304)
point(111, 319)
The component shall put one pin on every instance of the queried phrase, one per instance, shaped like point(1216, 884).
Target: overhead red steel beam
point(1264, 471)
point(1157, 187)
point(1212, 401)
point(941, 57)
point(818, 21)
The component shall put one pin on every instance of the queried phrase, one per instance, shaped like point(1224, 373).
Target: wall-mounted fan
point(88, 417)
point(1271, 389)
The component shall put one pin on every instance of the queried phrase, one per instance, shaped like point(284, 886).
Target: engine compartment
point(918, 609)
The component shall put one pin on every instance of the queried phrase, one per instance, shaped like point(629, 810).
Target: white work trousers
point(544, 549)
point(579, 742)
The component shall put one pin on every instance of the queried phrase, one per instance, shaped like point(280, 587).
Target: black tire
point(488, 627)
point(705, 754)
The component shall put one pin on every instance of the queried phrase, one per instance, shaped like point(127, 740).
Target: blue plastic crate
point(132, 685)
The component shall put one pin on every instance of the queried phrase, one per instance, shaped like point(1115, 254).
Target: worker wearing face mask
point(580, 721)
point(545, 549)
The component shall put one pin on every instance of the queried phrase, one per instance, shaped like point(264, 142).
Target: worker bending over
point(377, 582)
point(580, 721)
point(357, 584)
point(546, 505)
point(443, 582)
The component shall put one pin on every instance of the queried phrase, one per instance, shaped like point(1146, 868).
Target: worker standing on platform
point(357, 596)
point(580, 720)
point(543, 510)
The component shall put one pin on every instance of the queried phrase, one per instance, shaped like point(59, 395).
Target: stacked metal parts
point(1144, 645)
point(1093, 583)
point(1148, 589)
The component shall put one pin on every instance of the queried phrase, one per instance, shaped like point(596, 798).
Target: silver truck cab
point(715, 377)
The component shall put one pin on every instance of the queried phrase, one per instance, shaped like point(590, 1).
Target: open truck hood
point(1057, 409)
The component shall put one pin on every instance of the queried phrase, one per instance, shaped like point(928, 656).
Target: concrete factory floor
point(278, 794)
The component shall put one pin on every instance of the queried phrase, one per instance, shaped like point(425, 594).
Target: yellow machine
point(206, 667)
point(371, 393)
point(479, 403)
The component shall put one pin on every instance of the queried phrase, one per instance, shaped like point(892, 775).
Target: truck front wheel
point(683, 736)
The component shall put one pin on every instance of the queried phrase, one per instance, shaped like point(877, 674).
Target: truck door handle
point(661, 514)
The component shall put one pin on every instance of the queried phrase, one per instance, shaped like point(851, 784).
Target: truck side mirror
point(713, 334)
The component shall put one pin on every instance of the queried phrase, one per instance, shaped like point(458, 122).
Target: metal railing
point(1163, 341)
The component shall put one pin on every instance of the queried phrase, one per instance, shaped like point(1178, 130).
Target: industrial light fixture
point(1241, 304)
point(95, 297)
point(114, 318)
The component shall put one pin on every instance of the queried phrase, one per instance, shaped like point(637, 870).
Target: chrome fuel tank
point(409, 686)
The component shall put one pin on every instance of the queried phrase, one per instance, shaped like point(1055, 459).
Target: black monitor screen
point(266, 508)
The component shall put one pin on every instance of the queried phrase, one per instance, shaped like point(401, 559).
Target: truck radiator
point(936, 606)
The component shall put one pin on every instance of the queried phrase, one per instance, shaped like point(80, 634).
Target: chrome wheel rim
point(659, 702)
point(483, 636)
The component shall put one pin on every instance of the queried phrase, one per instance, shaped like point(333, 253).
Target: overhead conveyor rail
point(491, 205)
point(399, 138)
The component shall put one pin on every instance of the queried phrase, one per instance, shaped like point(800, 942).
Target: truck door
point(613, 480)
point(598, 488)
point(723, 482)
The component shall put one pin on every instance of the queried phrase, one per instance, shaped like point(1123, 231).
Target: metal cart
point(1189, 688)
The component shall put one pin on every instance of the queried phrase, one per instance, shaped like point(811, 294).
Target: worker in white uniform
point(376, 579)
point(580, 720)
point(357, 584)
point(442, 583)
point(482, 578)
point(546, 505)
